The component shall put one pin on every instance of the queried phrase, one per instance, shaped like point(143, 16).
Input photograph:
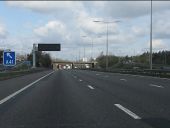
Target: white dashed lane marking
point(90, 86)
point(80, 80)
point(154, 85)
point(106, 76)
point(127, 111)
point(123, 79)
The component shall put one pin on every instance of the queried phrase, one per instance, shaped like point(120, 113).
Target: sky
point(70, 23)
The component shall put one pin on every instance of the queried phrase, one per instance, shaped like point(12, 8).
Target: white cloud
point(139, 31)
point(158, 44)
point(114, 9)
point(46, 6)
point(19, 44)
point(3, 31)
point(51, 26)
point(105, 8)
point(86, 24)
point(129, 9)
point(69, 20)
point(53, 31)
point(161, 25)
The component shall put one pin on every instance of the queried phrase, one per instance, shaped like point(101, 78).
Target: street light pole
point(92, 50)
point(79, 55)
point(92, 45)
point(151, 39)
point(107, 45)
point(34, 55)
point(84, 52)
point(84, 47)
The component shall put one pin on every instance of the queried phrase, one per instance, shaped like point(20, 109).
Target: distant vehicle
point(135, 67)
point(165, 68)
point(87, 66)
point(68, 66)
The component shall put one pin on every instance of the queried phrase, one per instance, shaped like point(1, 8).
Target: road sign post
point(9, 58)
point(44, 47)
point(34, 55)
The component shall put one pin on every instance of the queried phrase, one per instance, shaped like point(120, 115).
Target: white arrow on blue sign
point(9, 58)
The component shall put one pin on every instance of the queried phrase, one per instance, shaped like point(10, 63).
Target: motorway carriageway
point(84, 99)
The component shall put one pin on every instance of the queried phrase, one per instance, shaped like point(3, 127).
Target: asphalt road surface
point(84, 99)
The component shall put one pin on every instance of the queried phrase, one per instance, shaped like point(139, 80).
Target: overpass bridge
point(72, 65)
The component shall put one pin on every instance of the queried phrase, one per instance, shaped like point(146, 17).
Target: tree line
point(158, 58)
point(42, 59)
point(161, 58)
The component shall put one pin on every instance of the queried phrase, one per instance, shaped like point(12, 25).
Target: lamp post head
point(97, 21)
point(83, 36)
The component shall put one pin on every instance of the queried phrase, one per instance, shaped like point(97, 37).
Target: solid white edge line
point(127, 111)
point(22, 89)
point(90, 87)
point(154, 85)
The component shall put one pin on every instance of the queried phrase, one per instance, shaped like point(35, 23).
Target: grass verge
point(12, 74)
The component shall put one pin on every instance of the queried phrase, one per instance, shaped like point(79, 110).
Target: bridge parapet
point(73, 65)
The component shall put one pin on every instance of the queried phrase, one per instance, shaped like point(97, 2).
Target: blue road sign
point(9, 58)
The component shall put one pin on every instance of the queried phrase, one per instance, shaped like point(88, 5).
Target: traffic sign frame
point(4, 59)
point(49, 47)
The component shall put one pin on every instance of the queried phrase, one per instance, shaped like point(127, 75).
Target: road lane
point(148, 101)
point(61, 101)
point(23, 89)
point(141, 82)
point(10, 86)
point(164, 81)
